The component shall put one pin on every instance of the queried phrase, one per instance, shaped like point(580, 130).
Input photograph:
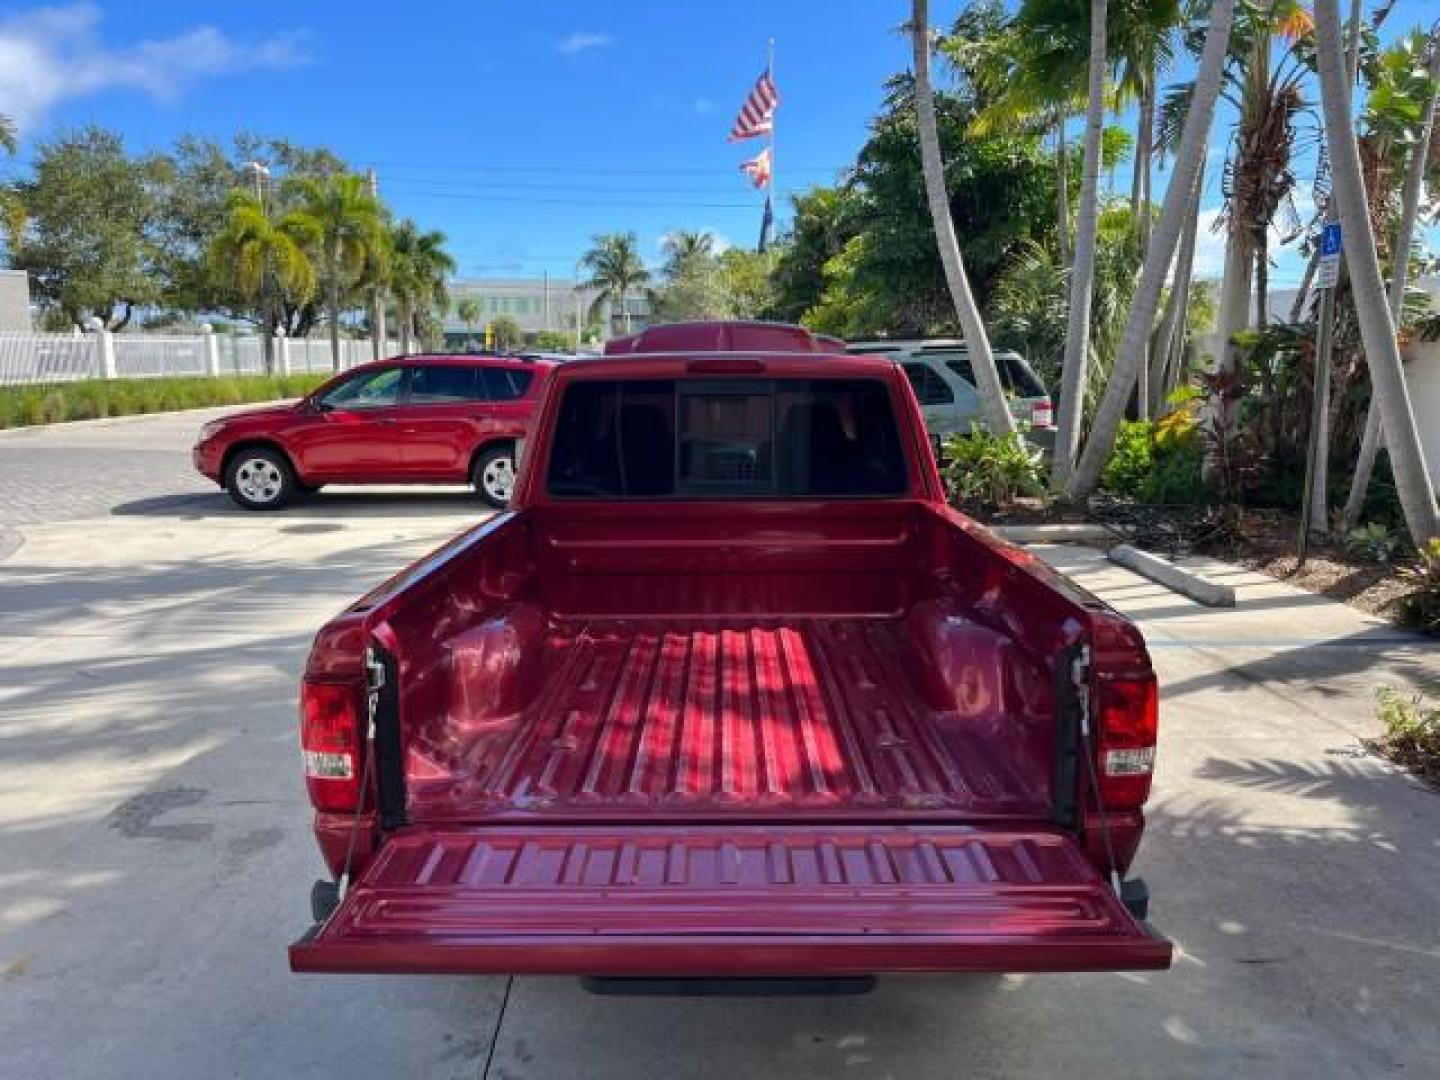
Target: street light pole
point(267, 327)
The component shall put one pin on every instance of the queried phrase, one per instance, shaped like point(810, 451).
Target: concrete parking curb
point(1176, 578)
point(1078, 532)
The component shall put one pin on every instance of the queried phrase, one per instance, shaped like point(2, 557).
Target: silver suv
point(939, 370)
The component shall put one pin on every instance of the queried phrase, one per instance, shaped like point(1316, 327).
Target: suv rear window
point(439, 384)
point(726, 438)
point(507, 384)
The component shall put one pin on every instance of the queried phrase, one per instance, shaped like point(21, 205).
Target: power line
point(738, 184)
point(643, 204)
point(580, 170)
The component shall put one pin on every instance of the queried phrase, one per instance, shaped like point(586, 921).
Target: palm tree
point(375, 282)
point(1189, 159)
point(1400, 270)
point(1082, 275)
point(419, 266)
point(468, 309)
point(8, 141)
point(613, 263)
point(982, 362)
point(251, 254)
point(684, 246)
point(1268, 96)
point(346, 221)
point(1377, 329)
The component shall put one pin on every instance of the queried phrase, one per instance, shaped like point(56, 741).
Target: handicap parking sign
point(1330, 239)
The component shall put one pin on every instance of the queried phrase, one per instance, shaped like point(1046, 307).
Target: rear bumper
point(750, 901)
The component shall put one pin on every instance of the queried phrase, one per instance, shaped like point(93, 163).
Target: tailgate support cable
point(1080, 679)
point(374, 683)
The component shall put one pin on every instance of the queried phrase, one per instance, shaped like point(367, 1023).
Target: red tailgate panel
point(782, 900)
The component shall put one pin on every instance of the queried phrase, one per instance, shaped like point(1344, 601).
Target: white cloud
point(580, 41)
point(49, 55)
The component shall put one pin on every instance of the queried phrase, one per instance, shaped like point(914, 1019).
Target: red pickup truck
point(729, 691)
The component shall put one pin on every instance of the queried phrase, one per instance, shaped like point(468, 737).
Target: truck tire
point(494, 475)
point(260, 479)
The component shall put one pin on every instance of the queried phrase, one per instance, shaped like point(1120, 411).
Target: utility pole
point(378, 346)
point(267, 320)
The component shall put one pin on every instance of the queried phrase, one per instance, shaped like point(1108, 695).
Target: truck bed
point(680, 718)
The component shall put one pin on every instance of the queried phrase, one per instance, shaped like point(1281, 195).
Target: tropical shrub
point(1159, 463)
point(1373, 543)
point(985, 470)
point(1412, 730)
point(1422, 607)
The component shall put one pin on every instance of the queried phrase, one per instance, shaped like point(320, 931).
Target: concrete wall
point(1422, 376)
point(14, 300)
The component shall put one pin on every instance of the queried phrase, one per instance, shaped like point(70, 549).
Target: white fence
point(45, 358)
point(32, 359)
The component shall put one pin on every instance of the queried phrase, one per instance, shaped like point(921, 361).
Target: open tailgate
point(731, 901)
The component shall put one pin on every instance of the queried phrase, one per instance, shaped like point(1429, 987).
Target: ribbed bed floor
point(779, 718)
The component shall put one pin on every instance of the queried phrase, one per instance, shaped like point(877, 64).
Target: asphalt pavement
point(155, 851)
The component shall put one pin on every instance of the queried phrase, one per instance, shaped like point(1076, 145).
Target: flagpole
point(769, 145)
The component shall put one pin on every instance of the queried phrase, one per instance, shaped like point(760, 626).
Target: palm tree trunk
point(1165, 366)
point(1400, 272)
point(1377, 329)
point(1316, 511)
point(1188, 161)
point(1235, 291)
point(377, 325)
point(267, 323)
point(1062, 190)
point(407, 324)
point(332, 305)
point(1262, 285)
point(982, 362)
point(1082, 275)
point(1144, 144)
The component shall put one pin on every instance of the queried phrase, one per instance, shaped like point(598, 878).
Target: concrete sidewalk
point(155, 853)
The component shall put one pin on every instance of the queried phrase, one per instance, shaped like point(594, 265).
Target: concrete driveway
point(155, 854)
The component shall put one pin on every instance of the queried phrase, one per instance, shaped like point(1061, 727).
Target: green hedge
point(21, 406)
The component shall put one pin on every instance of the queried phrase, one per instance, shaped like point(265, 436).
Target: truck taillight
point(330, 743)
point(1128, 715)
point(1042, 414)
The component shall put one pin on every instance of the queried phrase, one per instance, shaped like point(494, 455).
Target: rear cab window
point(726, 438)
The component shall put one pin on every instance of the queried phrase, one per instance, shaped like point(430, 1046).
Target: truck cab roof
point(724, 336)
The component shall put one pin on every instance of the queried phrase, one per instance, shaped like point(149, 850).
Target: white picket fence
point(37, 359)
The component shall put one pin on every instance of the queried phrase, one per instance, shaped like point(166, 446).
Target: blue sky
point(518, 129)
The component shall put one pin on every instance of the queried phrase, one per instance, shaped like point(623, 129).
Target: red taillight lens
point(1042, 414)
point(330, 743)
point(1129, 713)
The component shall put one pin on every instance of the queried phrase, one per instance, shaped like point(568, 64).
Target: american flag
point(758, 113)
point(758, 168)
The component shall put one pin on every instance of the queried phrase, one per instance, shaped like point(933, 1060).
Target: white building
point(542, 303)
point(14, 300)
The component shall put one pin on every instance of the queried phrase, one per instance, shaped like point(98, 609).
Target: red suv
point(410, 420)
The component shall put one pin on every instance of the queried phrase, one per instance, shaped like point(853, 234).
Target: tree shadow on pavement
point(196, 506)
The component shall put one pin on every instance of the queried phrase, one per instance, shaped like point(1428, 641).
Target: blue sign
point(1330, 240)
